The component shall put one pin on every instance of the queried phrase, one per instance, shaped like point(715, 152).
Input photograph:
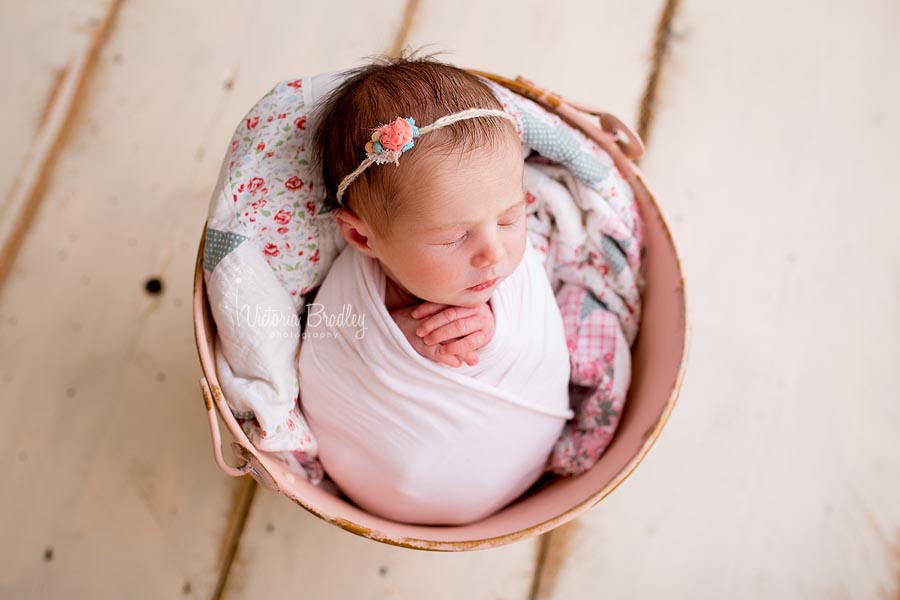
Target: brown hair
point(377, 93)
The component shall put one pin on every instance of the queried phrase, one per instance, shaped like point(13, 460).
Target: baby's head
point(451, 215)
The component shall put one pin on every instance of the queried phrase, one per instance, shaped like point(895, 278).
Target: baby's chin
point(465, 298)
point(472, 299)
point(467, 303)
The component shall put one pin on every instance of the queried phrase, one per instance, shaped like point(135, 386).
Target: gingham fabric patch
point(559, 144)
point(218, 245)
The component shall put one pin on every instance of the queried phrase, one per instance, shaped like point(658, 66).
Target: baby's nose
point(489, 254)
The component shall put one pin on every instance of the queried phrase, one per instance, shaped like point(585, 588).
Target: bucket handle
point(249, 461)
point(627, 140)
point(630, 142)
point(213, 417)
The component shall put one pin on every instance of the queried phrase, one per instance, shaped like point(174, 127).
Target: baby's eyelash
point(456, 241)
point(462, 238)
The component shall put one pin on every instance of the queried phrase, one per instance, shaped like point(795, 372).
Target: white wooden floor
point(772, 146)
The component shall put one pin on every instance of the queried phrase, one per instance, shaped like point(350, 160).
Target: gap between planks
point(410, 11)
point(661, 40)
point(30, 183)
point(238, 521)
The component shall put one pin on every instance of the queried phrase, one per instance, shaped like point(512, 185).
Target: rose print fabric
point(597, 287)
point(269, 244)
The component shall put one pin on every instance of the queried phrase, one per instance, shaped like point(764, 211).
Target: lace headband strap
point(391, 140)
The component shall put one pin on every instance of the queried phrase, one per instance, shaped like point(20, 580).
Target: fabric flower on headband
point(390, 141)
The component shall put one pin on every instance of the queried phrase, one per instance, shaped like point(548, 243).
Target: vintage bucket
point(659, 362)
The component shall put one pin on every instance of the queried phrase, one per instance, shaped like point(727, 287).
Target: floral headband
point(391, 140)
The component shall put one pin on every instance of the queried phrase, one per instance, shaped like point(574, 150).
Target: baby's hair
point(377, 93)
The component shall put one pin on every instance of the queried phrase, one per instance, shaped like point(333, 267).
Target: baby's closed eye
point(458, 240)
point(508, 221)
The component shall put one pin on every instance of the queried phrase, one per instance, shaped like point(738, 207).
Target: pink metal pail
point(659, 362)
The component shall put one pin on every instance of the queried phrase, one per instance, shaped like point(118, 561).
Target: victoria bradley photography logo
point(319, 322)
point(316, 315)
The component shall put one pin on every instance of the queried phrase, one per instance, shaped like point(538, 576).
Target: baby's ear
point(354, 230)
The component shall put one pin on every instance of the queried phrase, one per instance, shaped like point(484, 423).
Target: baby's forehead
point(427, 211)
point(453, 166)
point(438, 182)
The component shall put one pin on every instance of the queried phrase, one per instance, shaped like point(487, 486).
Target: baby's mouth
point(484, 285)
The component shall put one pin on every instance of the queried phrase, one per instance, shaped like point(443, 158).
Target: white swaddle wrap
point(412, 440)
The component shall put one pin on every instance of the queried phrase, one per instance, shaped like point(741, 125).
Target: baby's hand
point(476, 324)
point(455, 330)
point(408, 325)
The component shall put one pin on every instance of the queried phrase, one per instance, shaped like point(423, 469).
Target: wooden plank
point(283, 548)
point(109, 488)
point(777, 476)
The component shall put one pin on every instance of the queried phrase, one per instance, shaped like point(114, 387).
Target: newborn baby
point(439, 399)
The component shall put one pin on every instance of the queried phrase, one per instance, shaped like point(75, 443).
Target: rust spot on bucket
point(897, 566)
point(352, 527)
point(207, 401)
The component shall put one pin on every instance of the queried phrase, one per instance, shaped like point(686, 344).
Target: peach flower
point(395, 135)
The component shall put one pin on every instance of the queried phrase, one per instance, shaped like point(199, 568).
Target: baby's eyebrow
point(461, 224)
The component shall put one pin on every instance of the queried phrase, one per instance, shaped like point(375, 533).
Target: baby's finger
point(426, 309)
point(452, 330)
point(470, 358)
point(469, 343)
point(448, 315)
point(448, 359)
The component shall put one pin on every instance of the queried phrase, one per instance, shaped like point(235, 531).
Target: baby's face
point(462, 230)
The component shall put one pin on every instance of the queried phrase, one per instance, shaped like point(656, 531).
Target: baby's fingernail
point(420, 331)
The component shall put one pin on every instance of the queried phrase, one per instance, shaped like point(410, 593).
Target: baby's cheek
point(429, 269)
